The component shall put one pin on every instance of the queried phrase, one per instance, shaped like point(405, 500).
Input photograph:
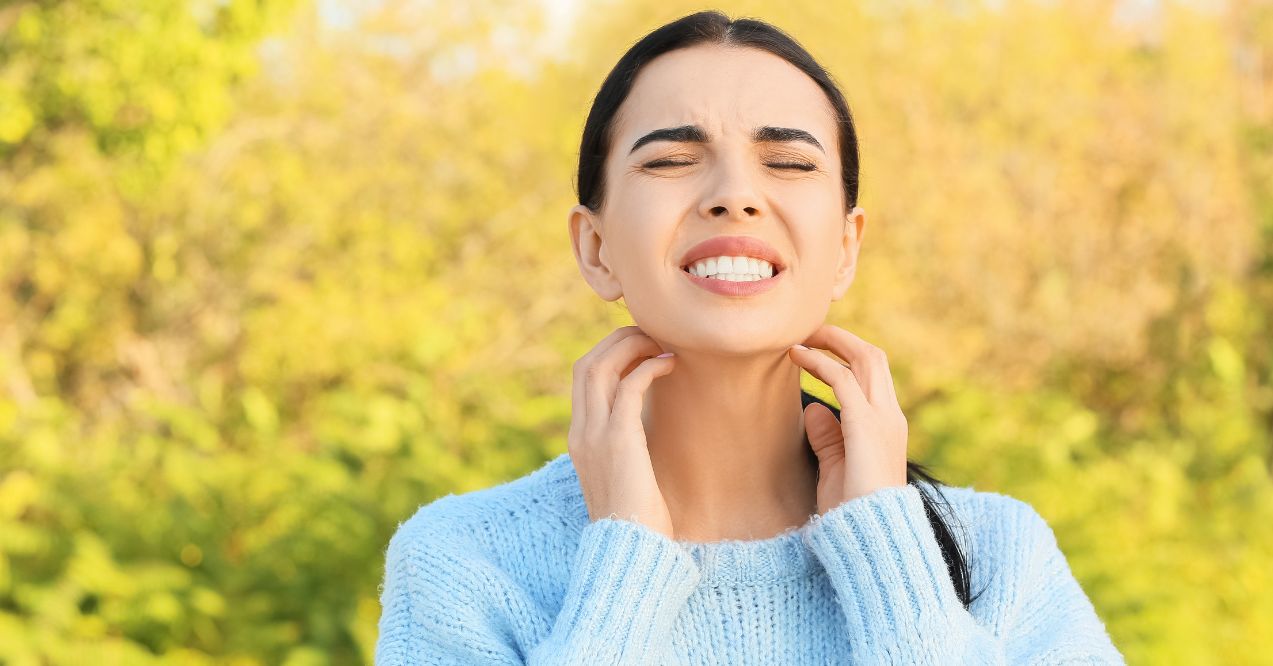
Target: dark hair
point(713, 27)
point(707, 27)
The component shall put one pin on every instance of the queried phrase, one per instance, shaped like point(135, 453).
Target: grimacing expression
point(719, 172)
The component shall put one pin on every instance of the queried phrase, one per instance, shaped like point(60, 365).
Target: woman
point(720, 514)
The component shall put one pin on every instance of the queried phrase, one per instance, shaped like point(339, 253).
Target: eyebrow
point(696, 134)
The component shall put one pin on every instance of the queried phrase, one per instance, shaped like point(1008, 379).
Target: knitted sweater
point(518, 574)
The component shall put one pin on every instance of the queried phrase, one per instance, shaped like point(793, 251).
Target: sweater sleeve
point(444, 602)
point(901, 607)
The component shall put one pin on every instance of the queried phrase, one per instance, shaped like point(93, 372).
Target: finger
point(853, 402)
point(631, 366)
point(628, 398)
point(607, 342)
point(578, 385)
point(868, 362)
point(825, 436)
point(602, 377)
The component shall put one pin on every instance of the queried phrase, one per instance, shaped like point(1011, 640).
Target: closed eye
point(793, 165)
point(776, 165)
point(664, 163)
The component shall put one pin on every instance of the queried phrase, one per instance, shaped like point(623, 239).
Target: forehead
point(728, 90)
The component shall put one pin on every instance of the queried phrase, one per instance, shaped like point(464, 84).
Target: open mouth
point(733, 269)
point(733, 266)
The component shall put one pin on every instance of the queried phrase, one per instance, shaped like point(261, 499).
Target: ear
point(590, 253)
point(850, 243)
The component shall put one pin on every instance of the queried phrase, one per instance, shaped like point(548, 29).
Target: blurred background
point(274, 274)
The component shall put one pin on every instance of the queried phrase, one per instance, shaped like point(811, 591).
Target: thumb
point(825, 436)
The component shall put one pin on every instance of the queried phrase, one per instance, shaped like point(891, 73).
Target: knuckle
point(625, 388)
point(636, 381)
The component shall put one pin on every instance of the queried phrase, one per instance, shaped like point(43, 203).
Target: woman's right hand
point(607, 442)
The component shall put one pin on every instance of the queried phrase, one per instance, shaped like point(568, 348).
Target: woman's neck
point(726, 439)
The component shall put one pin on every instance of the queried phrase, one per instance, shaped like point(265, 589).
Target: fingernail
point(665, 355)
point(800, 347)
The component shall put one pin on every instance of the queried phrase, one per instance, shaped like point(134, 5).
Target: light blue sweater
point(518, 574)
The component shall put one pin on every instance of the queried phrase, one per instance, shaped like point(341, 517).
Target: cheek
point(639, 252)
point(655, 198)
point(814, 194)
point(644, 231)
point(817, 235)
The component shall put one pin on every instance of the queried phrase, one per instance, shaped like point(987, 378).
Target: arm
point(444, 603)
point(901, 607)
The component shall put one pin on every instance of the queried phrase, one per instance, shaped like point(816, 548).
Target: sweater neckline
point(781, 557)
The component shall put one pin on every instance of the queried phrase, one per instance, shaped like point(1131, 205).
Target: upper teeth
point(734, 269)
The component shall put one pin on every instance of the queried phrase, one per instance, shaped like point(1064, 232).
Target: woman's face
point(721, 173)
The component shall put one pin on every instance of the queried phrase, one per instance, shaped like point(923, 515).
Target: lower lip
point(727, 288)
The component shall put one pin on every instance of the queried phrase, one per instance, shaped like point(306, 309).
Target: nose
point(732, 194)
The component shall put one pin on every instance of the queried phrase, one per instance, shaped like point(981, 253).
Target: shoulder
point(991, 508)
point(462, 565)
point(999, 526)
point(1006, 540)
point(1023, 586)
point(497, 524)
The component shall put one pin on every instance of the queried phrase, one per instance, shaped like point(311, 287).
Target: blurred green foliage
point(274, 274)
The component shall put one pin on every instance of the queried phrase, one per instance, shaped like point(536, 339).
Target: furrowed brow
point(682, 134)
point(696, 134)
point(784, 134)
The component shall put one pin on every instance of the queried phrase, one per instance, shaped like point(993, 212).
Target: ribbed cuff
point(627, 587)
point(882, 557)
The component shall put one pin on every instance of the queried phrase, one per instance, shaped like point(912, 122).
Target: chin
point(739, 333)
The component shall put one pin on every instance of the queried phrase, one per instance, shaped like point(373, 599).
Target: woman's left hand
point(866, 450)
